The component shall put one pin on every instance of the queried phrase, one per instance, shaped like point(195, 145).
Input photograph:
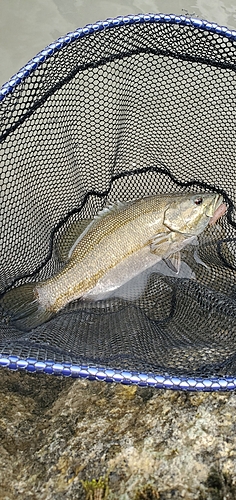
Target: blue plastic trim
point(101, 373)
point(110, 23)
point(121, 376)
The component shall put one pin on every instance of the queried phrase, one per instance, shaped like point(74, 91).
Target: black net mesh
point(119, 114)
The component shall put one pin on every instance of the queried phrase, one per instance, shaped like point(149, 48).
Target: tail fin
point(23, 307)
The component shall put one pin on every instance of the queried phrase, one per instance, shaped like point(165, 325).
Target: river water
point(27, 26)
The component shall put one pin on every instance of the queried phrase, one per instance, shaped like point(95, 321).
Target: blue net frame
point(103, 373)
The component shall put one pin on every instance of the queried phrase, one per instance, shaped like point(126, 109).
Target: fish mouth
point(214, 205)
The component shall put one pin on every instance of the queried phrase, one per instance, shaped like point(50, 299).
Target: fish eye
point(198, 201)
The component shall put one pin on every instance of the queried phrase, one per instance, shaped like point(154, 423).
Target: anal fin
point(160, 244)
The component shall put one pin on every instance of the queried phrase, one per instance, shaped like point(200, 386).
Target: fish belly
point(122, 273)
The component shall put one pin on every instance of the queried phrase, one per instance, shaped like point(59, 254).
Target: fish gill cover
point(117, 111)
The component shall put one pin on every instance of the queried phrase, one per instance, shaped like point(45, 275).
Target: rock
point(77, 439)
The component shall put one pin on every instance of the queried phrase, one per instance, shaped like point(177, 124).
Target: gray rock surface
point(77, 439)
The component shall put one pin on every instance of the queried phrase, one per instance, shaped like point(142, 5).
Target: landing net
point(119, 110)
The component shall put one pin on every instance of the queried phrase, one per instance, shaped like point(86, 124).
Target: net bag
point(119, 110)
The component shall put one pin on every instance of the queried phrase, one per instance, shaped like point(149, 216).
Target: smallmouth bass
point(121, 241)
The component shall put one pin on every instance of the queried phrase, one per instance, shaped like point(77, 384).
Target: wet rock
point(76, 439)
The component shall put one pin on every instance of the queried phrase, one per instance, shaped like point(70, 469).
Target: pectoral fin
point(173, 262)
point(157, 242)
point(167, 246)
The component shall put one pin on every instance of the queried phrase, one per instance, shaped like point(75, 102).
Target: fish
point(123, 240)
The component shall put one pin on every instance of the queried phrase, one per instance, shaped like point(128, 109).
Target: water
point(26, 27)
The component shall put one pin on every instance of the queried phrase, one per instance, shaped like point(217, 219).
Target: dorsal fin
point(68, 240)
point(110, 208)
point(69, 236)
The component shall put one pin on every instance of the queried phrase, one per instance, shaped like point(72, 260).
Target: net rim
point(110, 23)
point(125, 377)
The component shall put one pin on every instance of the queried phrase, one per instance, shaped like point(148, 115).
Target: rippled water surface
point(27, 26)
